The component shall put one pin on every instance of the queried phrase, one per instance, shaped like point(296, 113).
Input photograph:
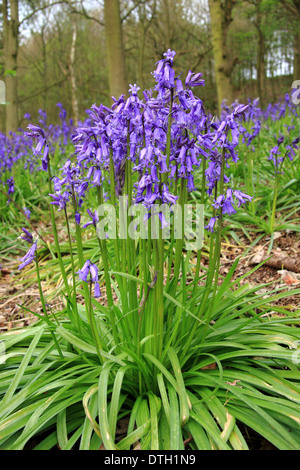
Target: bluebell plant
point(148, 150)
point(144, 338)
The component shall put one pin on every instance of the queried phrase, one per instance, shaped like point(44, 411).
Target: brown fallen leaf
point(210, 366)
point(234, 383)
point(289, 280)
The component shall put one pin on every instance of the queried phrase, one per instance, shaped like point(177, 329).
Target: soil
point(14, 294)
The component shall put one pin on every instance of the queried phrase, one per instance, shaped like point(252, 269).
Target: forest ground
point(281, 270)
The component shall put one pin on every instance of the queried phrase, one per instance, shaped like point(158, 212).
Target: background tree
point(61, 51)
point(11, 34)
point(292, 7)
point(115, 48)
point(221, 18)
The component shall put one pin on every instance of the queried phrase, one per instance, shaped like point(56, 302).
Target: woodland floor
point(282, 270)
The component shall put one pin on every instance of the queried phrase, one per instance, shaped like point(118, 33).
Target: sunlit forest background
point(58, 51)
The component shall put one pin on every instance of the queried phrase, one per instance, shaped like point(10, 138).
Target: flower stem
point(110, 301)
point(214, 263)
point(199, 252)
point(45, 309)
point(94, 330)
point(73, 271)
point(274, 205)
point(60, 260)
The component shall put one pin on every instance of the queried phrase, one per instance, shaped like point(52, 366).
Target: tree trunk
point(296, 74)
point(141, 56)
point(144, 25)
point(72, 75)
point(11, 32)
point(260, 65)
point(115, 49)
point(168, 24)
point(44, 71)
point(220, 20)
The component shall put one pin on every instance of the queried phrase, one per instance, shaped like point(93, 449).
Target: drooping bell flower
point(27, 236)
point(95, 219)
point(27, 212)
point(211, 224)
point(42, 147)
point(77, 218)
point(194, 79)
point(11, 185)
point(89, 273)
point(29, 257)
point(241, 197)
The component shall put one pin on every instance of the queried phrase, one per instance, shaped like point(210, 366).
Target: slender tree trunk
point(44, 55)
point(220, 13)
point(144, 27)
point(72, 74)
point(115, 49)
point(297, 53)
point(11, 32)
point(260, 59)
point(168, 24)
point(141, 56)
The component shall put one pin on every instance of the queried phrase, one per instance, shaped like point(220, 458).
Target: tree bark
point(221, 17)
point(260, 65)
point(44, 70)
point(11, 33)
point(144, 25)
point(72, 75)
point(293, 7)
point(115, 49)
point(296, 74)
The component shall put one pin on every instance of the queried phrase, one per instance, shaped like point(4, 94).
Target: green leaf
point(105, 430)
point(176, 442)
point(20, 372)
point(154, 404)
point(61, 426)
point(183, 397)
point(114, 401)
point(10, 73)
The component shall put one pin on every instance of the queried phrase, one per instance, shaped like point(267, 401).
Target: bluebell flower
point(29, 257)
point(164, 74)
point(27, 212)
point(27, 236)
point(194, 79)
point(95, 219)
point(60, 199)
point(211, 224)
point(62, 113)
point(11, 185)
point(241, 197)
point(42, 147)
point(219, 201)
point(77, 218)
point(89, 272)
point(228, 207)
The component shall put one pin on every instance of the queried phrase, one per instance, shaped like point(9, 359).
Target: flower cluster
point(281, 150)
point(161, 139)
point(18, 148)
